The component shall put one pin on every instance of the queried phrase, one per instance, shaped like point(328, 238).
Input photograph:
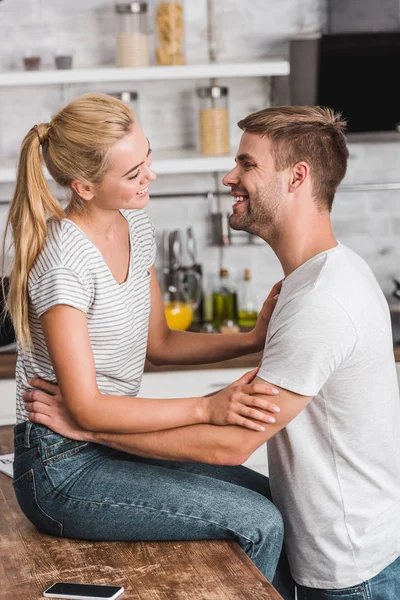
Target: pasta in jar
point(170, 32)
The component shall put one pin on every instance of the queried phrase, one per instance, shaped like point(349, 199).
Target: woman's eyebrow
point(137, 166)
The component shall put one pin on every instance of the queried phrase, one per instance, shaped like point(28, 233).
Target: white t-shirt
point(335, 469)
point(71, 270)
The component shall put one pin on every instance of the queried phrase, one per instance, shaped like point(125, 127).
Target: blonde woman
point(87, 308)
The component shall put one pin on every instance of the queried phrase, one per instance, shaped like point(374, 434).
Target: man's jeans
point(384, 586)
point(87, 491)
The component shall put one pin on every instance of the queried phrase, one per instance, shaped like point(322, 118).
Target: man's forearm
point(196, 443)
point(187, 348)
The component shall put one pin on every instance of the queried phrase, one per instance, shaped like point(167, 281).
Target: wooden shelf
point(267, 68)
point(166, 162)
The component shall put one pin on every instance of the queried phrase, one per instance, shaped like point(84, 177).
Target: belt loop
point(27, 440)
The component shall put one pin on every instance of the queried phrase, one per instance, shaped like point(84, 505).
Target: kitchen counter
point(8, 359)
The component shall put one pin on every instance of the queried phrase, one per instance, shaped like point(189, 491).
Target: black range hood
point(354, 73)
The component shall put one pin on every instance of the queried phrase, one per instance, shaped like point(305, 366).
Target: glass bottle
point(170, 25)
point(213, 120)
point(247, 304)
point(133, 38)
point(224, 301)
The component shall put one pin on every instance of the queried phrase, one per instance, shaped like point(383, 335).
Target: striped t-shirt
point(71, 270)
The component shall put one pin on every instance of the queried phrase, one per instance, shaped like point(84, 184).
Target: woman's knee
point(271, 522)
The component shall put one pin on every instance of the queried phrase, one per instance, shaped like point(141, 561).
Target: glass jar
point(133, 37)
point(213, 120)
point(131, 99)
point(170, 27)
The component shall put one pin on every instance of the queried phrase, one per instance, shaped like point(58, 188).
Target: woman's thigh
point(100, 494)
point(240, 475)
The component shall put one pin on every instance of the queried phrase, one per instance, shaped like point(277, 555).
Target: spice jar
point(170, 32)
point(213, 120)
point(133, 39)
point(129, 98)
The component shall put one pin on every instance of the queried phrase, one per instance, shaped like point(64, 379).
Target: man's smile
point(242, 199)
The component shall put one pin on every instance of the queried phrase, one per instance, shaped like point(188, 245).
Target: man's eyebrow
point(245, 158)
point(137, 166)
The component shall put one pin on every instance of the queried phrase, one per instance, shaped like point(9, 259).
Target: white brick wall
point(369, 222)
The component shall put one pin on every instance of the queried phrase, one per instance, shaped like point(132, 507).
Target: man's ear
point(83, 190)
point(298, 174)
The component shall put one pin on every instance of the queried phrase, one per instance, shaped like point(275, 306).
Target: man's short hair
point(305, 133)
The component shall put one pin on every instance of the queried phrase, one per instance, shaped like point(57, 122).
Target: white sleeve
point(59, 285)
point(308, 340)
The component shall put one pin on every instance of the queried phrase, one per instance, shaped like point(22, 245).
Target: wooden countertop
point(8, 359)
point(31, 561)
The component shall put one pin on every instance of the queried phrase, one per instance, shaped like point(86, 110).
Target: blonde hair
point(74, 145)
point(310, 133)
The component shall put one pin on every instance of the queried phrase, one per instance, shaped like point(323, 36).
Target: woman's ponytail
point(75, 145)
point(33, 203)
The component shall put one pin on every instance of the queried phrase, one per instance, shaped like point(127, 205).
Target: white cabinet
point(181, 384)
point(7, 401)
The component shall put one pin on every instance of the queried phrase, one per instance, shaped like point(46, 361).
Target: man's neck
point(298, 243)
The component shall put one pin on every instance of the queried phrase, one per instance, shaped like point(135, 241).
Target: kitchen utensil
point(175, 248)
point(191, 247)
point(198, 316)
point(220, 229)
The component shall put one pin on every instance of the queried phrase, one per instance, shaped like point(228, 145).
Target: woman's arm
point(201, 443)
point(67, 339)
point(171, 347)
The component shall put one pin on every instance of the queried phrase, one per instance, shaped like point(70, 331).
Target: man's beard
point(261, 215)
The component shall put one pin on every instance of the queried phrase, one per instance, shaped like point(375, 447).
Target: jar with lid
point(213, 120)
point(170, 26)
point(133, 37)
point(131, 99)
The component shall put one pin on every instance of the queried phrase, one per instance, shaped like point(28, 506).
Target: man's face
point(256, 186)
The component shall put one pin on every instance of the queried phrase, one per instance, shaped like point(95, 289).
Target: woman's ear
point(83, 190)
point(298, 174)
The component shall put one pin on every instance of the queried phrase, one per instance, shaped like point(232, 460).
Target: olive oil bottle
point(224, 301)
point(247, 304)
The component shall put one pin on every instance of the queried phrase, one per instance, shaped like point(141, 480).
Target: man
point(333, 450)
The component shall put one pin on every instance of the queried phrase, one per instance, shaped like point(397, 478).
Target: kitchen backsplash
point(367, 221)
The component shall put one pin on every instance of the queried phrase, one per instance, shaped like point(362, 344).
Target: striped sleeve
point(59, 285)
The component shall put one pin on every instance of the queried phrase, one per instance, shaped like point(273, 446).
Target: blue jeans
point(87, 491)
point(384, 586)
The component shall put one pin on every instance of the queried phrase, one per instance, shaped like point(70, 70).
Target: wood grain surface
point(30, 561)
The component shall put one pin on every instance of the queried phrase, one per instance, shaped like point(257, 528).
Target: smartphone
point(83, 591)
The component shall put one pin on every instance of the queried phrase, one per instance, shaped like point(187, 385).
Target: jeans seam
point(367, 589)
point(142, 507)
point(38, 503)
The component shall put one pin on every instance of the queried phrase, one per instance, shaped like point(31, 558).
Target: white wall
point(369, 222)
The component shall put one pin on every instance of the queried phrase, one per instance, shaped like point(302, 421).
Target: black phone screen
point(84, 589)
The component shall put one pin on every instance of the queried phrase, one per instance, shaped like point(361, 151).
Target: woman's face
point(126, 183)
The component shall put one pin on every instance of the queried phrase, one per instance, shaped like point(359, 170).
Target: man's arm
point(228, 445)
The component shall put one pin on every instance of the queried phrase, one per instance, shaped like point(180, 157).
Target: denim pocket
point(25, 491)
point(62, 449)
point(357, 592)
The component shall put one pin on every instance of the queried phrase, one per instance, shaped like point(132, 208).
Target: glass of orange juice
point(179, 301)
point(179, 315)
